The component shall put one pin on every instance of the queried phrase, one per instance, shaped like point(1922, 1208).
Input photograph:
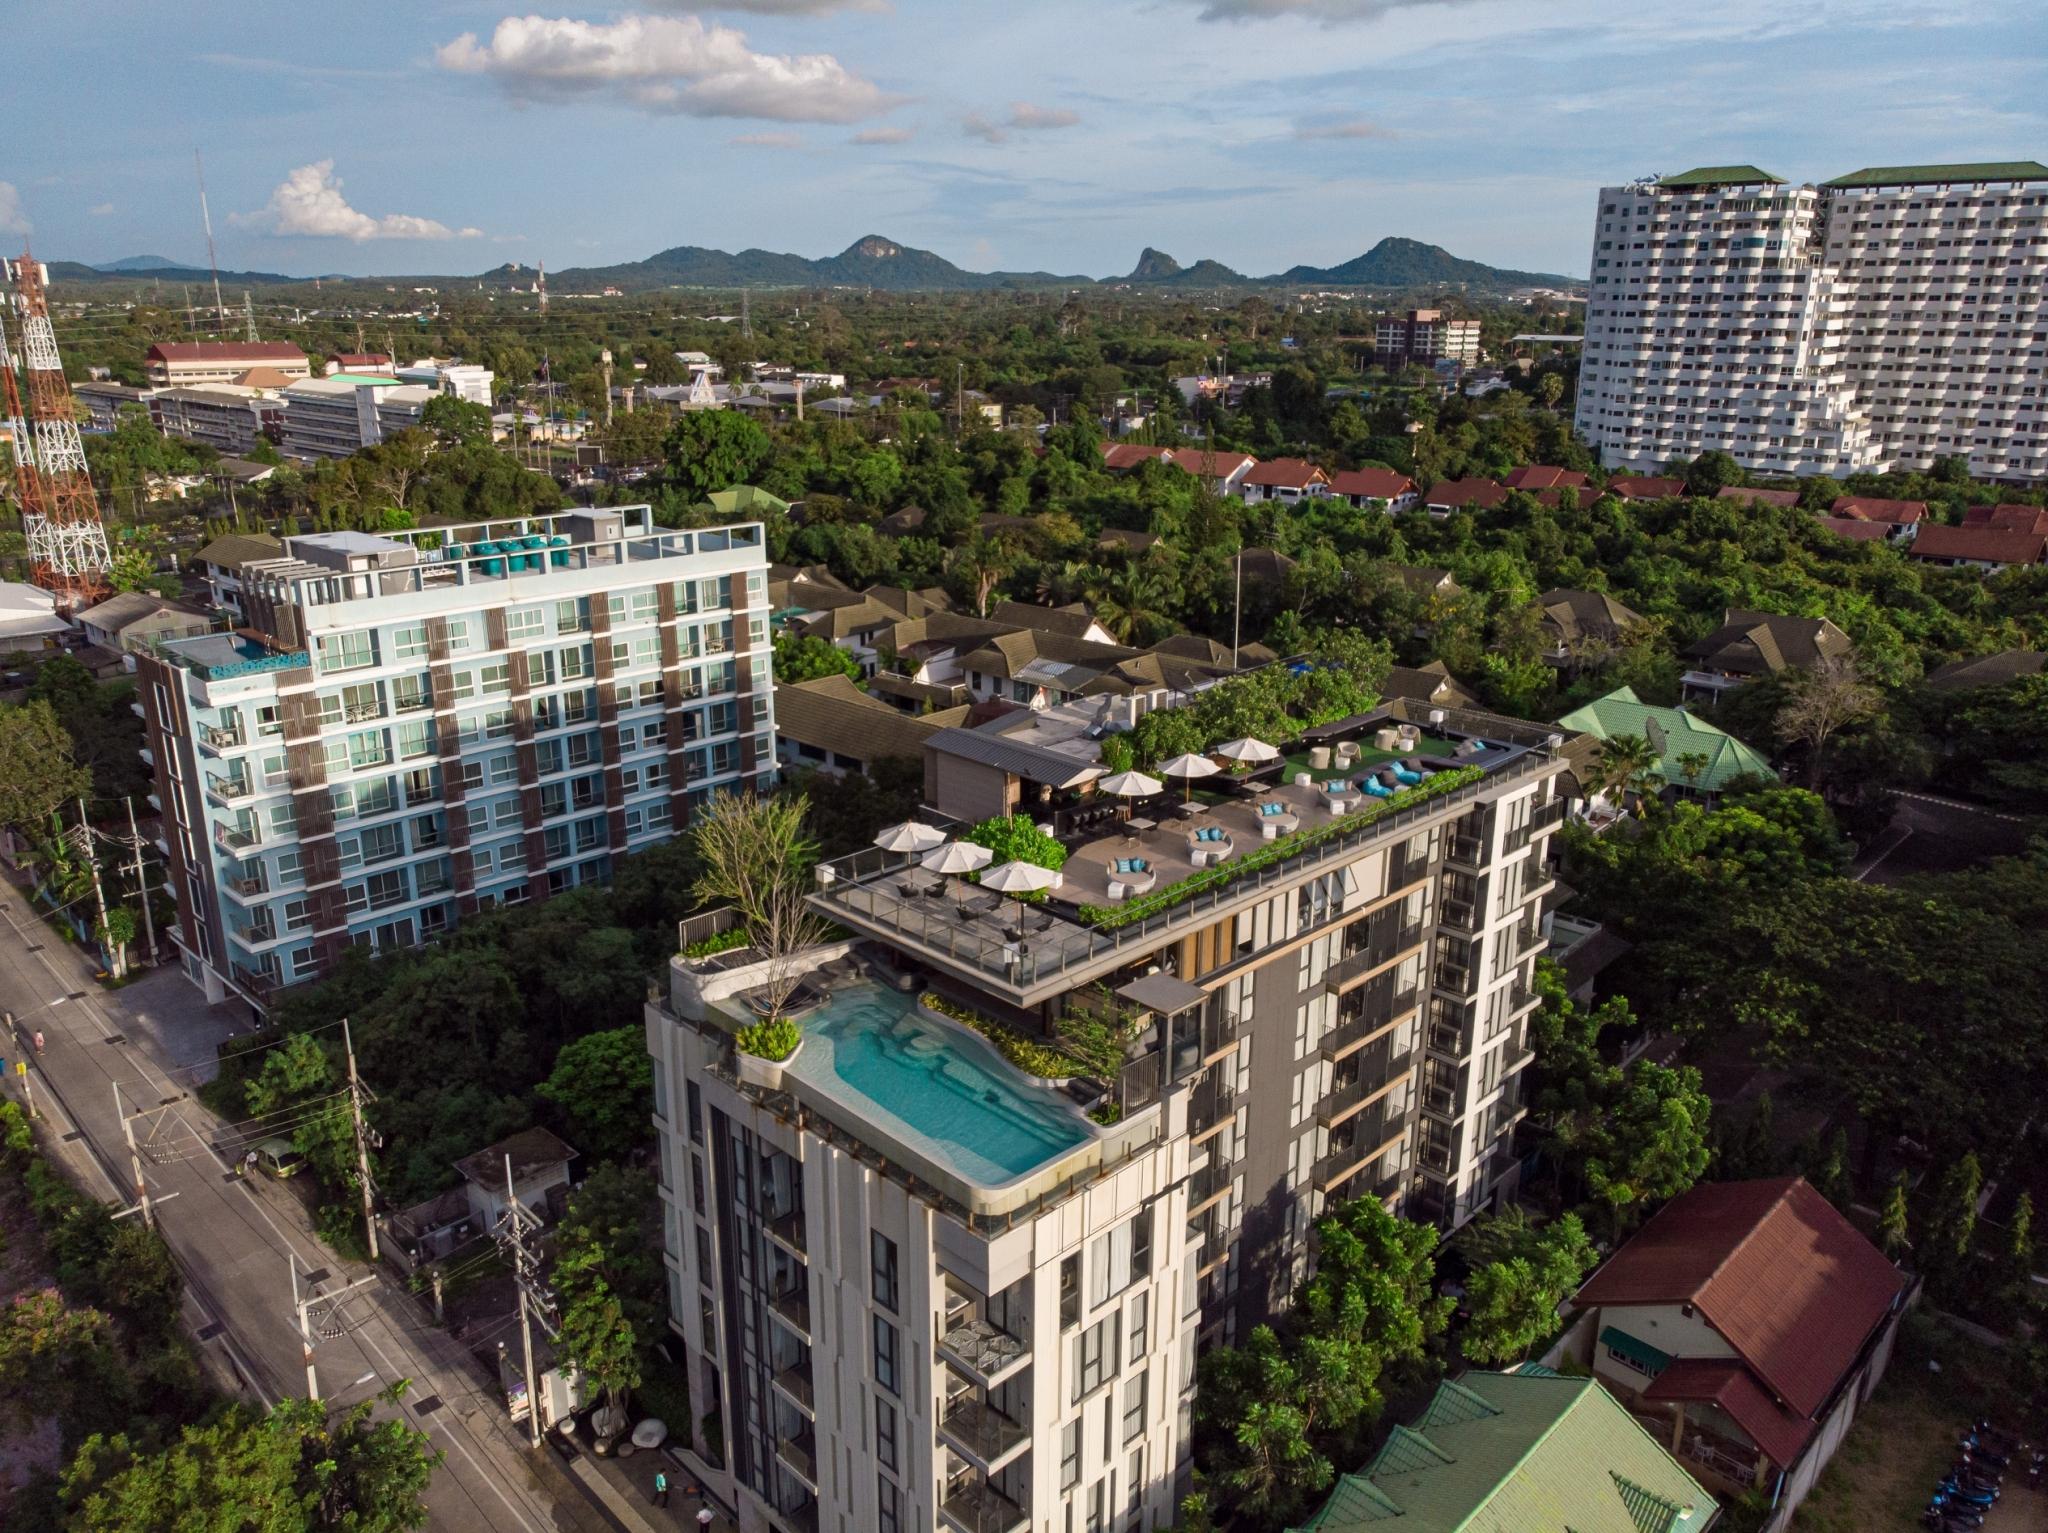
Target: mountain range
point(874, 261)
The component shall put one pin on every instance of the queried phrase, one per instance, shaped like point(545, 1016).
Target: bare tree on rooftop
point(757, 857)
point(1822, 701)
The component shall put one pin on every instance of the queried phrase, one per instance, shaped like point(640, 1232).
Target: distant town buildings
point(1424, 337)
point(186, 362)
point(1876, 322)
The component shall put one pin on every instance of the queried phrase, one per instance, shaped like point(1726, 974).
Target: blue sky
point(376, 136)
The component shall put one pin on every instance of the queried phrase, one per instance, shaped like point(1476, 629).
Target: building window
point(885, 1356)
point(885, 1434)
point(1095, 1356)
point(887, 1512)
point(347, 651)
point(1070, 1454)
point(1070, 1291)
point(883, 1254)
point(704, 1268)
point(1140, 1330)
point(1134, 1407)
point(1121, 1257)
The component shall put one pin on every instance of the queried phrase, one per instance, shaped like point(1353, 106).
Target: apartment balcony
point(227, 789)
point(1373, 954)
point(1340, 1165)
point(1362, 1091)
point(794, 1385)
point(238, 840)
point(792, 1306)
point(1354, 1033)
point(1439, 1100)
point(1461, 915)
point(248, 886)
point(983, 1435)
point(218, 737)
point(984, 1352)
point(1214, 1105)
point(1209, 1185)
point(1459, 979)
point(798, 1453)
point(1220, 1032)
point(978, 1507)
point(796, 1519)
point(1465, 851)
point(788, 1232)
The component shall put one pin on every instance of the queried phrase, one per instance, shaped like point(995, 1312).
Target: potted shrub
point(764, 1048)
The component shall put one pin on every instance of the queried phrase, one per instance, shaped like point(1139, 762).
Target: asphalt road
point(239, 1240)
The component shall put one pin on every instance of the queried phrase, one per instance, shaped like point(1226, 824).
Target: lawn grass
point(1905, 1434)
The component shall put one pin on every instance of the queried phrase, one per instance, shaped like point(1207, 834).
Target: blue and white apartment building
point(415, 726)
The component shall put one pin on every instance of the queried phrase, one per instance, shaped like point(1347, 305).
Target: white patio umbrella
point(1019, 878)
point(1247, 750)
point(957, 857)
point(911, 836)
point(1130, 785)
point(1188, 768)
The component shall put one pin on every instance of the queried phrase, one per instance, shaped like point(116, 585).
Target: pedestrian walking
point(39, 1041)
point(249, 1164)
point(660, 1488)
point(704, 1517)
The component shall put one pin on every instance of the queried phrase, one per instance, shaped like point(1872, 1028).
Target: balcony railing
point(975, 1506)
point(1447, 1041)
point(793, 1306)
point(221, 737)
point(982, 1434)
point(1439, 1099)
point(788, 1232)
point(1465, 851)
point(1211, 1182)
point(795, 1382)
point(227, 787)
point(799, 1455)
point(238, 839)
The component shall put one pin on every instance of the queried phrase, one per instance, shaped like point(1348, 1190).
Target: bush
point(1027, 1054)
point(1016, 838)
point(724, 942)
point(775, 1039)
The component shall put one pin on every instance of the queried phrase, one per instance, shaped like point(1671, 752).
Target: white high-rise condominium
point(919, 1289)
point(1879, 321)
point(411, 727)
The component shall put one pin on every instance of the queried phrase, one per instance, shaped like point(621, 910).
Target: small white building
point(539, 1170)
point(464, 380)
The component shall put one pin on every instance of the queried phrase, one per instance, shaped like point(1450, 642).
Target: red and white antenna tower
point(60, 514)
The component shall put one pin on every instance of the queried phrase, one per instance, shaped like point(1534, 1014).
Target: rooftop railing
point(859, 890)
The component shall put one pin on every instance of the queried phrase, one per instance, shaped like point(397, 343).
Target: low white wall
point(692, 992)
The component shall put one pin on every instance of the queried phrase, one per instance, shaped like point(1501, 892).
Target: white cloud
point(1025, 117)
point(1023, 114)
point(885, 136)
point(100, 209)
point(664, 64)
point(1355, 127)
point(309, 202)
point(773, 7)
point(769, 140)
point(1328, 12)
point(12, 219)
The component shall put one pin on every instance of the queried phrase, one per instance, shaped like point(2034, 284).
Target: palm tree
point(1129, 603)
point(1692, 766)
point(1626, 761)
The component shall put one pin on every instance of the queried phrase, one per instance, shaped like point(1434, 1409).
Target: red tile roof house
point(1541, 476)
point(1122, 457)
point(2007, 518)
point(1374, 489)
point(1635, 487)
point(1223, 472)
point(1988, 548)
point(1902, 518)
point(1448, 495)
point(1744, 1325)
point(1284, 479)
point(1856, 531)
point(1785, 498)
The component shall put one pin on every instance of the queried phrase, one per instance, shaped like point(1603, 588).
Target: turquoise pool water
point(942, 1090)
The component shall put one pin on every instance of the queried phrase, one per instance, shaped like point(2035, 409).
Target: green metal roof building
point(1721, 175)
point(1672, 733)
point(1524, 1452)
point(1942, 175)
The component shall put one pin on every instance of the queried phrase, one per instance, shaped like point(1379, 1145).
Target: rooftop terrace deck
point(1083, 929)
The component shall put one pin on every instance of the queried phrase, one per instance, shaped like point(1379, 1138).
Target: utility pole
point(305, 1329)
point(746, 315)
point(605, 361)
point(534, 1299)
point(141, 879)
point(134, 1157)
point(355, 1108)
point(249, 315)
point(99, 894)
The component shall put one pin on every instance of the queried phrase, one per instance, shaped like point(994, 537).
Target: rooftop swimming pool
point(944, 1092)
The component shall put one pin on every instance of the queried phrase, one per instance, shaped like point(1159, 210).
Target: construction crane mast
point(60, 514)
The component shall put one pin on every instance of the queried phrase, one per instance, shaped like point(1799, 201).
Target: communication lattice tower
point(60, 514)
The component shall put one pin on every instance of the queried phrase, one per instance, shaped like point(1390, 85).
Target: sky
point(380, 137)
